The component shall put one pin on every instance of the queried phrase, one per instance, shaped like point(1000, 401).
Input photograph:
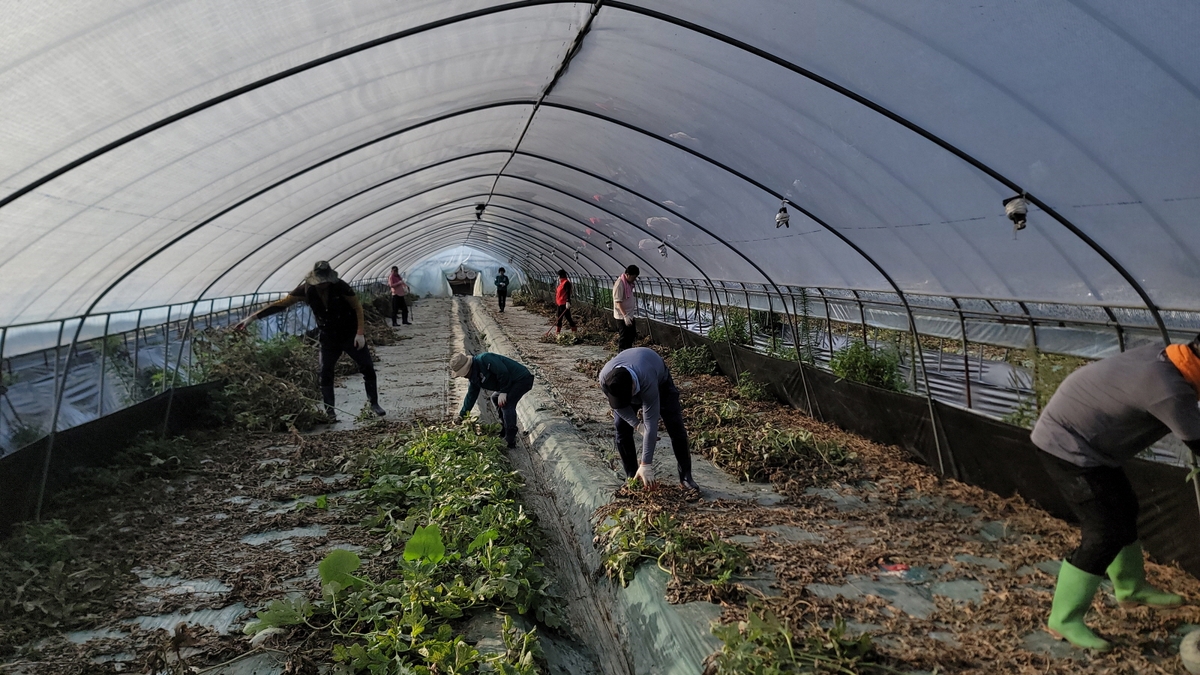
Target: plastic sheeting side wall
point(90, 444)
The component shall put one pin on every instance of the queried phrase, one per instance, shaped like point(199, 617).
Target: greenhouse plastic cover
point(160, 152)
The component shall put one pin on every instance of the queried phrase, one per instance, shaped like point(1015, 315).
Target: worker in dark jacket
point(562, 300)
point(506, 379)
point(1101, 416)
point(340, 321)
point(501, 288)
point(638, 377)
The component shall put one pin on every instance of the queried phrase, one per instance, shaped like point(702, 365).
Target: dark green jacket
point(494, 373)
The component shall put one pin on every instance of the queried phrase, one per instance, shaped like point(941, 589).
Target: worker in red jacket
point(562, 298)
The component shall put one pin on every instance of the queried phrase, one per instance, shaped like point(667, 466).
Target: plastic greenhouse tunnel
point(648, 336)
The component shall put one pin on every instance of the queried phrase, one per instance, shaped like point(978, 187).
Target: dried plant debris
point(942, 576)
point(245, 517)
point(270, 385)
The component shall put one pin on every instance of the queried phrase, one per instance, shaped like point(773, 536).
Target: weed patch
point(766, 645)
point(696, 360)
point(858, 362)
point(751, 389)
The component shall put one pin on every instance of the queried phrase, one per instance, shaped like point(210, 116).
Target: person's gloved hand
point(502, 399)
point(241, 325)
point(568, 305)
point(645, 473)
point(628, 320)
point(360, 341)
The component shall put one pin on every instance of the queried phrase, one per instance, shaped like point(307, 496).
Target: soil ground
point(976, 571)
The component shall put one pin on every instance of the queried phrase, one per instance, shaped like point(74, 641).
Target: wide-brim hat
point(322, 273)
point(460, 365)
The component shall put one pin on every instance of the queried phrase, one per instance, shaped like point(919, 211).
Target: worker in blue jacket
point(506, 379)
point(638, 377)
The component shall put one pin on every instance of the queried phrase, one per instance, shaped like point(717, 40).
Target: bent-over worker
point(507, 379)
point(638, 377)
point(1101, 416)
point(340, 323)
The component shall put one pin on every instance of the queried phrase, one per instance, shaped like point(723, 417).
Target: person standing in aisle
point(1100, 417)
point(507, 379)
point(340, 322)
point(399, 291)
point(501, 288)
point(562, 299)
point(639, 377)
point(625, 306)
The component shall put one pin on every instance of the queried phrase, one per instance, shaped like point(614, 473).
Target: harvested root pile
point(377, 317)
point(270, 385)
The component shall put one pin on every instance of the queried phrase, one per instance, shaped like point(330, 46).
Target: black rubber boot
point(327, 397)
point(373, 396)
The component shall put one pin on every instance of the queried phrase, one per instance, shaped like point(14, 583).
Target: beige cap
point(460, 364)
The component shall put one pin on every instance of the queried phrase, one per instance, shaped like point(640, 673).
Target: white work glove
point(502, 399)
point(360, 341)
point(628, 320)
point(568, 305)
point(645, 472)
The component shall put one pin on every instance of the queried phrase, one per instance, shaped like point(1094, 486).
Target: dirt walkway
point(969, 575)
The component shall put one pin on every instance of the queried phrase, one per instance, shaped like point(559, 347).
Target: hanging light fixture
point(662, 249)
point(479, 211)
point(782, 218)
point(608, 244)
point(1016, 209)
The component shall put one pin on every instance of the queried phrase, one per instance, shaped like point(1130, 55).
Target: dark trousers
point(399, 303)
point(671, 417)
point(508, 414)
point(628, 335)
point(564, 312)
point(331, 349)
point(501, 297)
point(1107, 508)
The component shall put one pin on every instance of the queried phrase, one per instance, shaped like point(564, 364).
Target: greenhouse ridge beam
point(475, 196)
point(385, 233)
point(917, 129)
point(576, 44)
point(395, 244)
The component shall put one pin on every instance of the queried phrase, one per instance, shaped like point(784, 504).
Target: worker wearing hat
point(508, 381)
point(339, 317)
point(639, 377)
point(1101, 416)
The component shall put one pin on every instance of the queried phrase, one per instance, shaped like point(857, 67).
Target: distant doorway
point(462, 281)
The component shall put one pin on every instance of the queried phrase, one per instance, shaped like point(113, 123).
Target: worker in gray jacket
point(1100, 417)
point(638, 377)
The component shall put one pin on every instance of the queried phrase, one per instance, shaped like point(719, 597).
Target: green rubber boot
point(1072, 597)
point(1128, 575)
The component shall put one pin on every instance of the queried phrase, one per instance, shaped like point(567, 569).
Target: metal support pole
point(60, 389)
point(103, 364)
point(962, 325)
point(166, 351)
point(137, 331)
point(862, 315)
point(791, 314)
